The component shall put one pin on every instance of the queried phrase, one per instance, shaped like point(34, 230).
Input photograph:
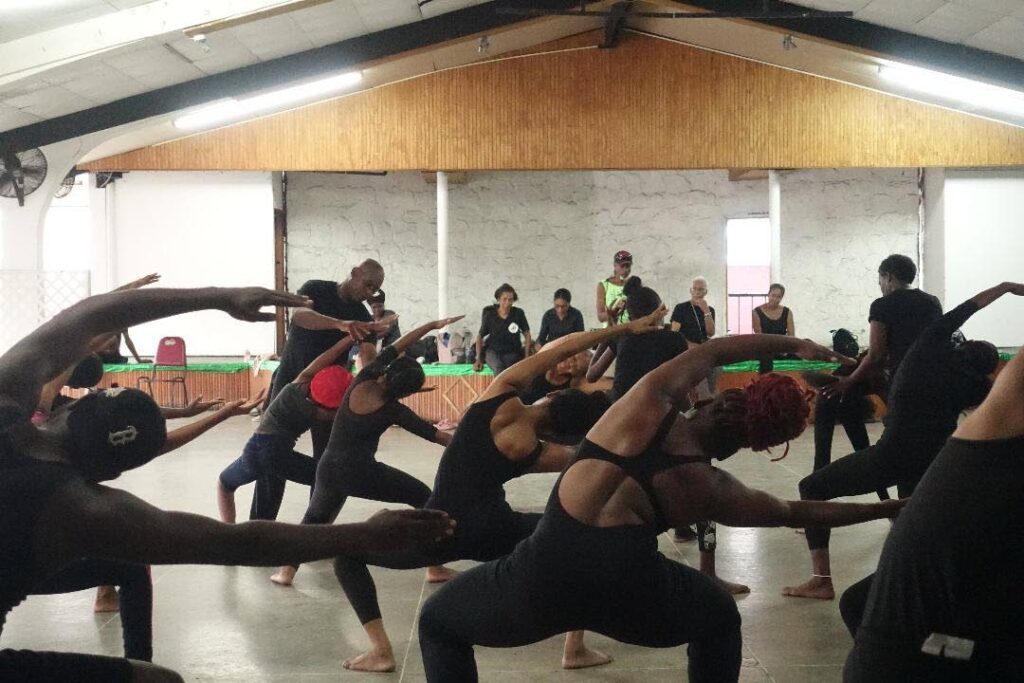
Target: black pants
point(28, 666)
point(484, 538)
point(266, 499)
point(845, 410)
point(853, 602)
point(877, 467)
point(493, 606)
point(499, 361)
point(135, 591)
point(265, 454)
point(877, 660)
point(372, 480)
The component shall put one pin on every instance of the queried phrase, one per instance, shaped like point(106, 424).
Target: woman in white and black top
point(506, 331)
point(695, 320)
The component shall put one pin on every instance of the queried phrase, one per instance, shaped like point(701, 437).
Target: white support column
point(442, 244)
point(775, 218)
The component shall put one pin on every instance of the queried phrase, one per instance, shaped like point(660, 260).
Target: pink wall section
point(745, 280)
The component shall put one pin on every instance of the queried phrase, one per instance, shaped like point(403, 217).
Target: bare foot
point(583, 658)
point(377, 662)
point(284, 576)
point(732, 588)
point(440, 574)
point(106, 600)
point(817, 587)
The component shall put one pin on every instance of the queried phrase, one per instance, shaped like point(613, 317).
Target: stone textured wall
point(544, 230)
point(837, 226)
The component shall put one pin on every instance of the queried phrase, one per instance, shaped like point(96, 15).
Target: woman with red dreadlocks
point(593, 562)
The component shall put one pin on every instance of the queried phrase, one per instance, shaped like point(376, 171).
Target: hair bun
point(632, 285)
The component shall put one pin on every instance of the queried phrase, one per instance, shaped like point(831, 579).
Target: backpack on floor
point(845, 342)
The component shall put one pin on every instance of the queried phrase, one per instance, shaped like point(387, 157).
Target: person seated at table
point(772, 317)
point(506, 330)
point(561, 319)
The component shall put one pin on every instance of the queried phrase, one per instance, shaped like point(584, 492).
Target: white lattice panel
point(29, 298)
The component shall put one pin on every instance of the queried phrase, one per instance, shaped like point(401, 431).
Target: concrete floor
point(233, 624)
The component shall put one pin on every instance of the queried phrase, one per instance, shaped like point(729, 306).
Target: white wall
point(195, 229)
point(837, 226)
point(544, 230)
point(984, 245)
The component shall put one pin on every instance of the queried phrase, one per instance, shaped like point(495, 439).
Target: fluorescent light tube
point(975, 95)
point(232, 108)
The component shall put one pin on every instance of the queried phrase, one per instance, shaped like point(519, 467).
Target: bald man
point(338, 310)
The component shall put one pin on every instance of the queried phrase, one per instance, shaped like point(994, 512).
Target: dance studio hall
point(629, 312)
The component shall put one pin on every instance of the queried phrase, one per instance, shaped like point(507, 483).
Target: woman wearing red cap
point(313, 396)
point(611, 302)
point(349, 466)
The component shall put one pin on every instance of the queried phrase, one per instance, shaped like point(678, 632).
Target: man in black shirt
point(338, 310)
point(695, 320)
point(936, 381)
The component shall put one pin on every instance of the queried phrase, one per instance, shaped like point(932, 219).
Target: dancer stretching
point(936, 381)
point(312, 397)
point(498, 439)
point(349, 466)
point(53, 513)
point(593, 561)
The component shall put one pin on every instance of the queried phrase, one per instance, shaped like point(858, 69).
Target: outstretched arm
point(59, 343)
point(84, 519)
point(600, 361)
point(182, 435)
point(414, 335)
point(519, 376)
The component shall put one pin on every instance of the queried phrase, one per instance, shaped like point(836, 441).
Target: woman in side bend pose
point(313, 396)
point(593, 561)
point(349, 466)
point(498, 439)
point(53, 513)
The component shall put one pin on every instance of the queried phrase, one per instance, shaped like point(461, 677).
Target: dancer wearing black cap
point(53, 512)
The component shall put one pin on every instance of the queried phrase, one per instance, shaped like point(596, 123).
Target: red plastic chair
point(170, 355)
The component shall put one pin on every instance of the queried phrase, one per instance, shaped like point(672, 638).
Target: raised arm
point(601, 361)
point(414, 335)
point(176, 438)
point(325, 359)
point(519, 376)
point(57, 344)
point(90, 520)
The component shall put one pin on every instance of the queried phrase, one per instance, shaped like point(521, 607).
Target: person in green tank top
point(611, 302)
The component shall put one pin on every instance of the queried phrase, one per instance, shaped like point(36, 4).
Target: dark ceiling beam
point(274, 73)
point(929, 53)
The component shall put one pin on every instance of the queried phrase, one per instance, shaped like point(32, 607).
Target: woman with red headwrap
point(593, 561)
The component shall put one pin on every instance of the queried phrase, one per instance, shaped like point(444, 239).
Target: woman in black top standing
point(772, 318)
point(561, 319)
point(502, 324)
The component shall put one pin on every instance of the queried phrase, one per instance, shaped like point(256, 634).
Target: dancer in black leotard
point(349, 466)
point(497, 440)
point(53, 513)
point(312, 397)
point(946, 604)
point(593, 561)
point(936, 381)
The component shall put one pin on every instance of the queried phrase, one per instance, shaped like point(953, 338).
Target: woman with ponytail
point(593, 561)
point(349, 466)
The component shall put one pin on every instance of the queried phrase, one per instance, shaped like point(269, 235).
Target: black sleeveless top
point(580, 553)
point(472, 471)
point(769, 326)
point(26, 485)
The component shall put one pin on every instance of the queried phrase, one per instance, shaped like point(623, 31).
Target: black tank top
point(769, 326)
point(26, 485)
point(472, 470)
point(603, 556)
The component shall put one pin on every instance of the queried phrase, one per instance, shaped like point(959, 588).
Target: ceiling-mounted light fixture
point(233, 109)
point(973, 95)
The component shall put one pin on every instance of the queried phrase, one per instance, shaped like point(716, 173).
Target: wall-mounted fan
point(21, 173)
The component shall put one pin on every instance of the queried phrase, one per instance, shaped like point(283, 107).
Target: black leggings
point(872, 469)
point(845, 410)
point(268, 454)
point(28, 666)
point(269, 492)
point(495, 606)
point(853, 602)
point(483, 542)
point(372, 480)
point(135, 591)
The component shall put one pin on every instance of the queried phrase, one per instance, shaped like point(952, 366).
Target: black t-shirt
point(951, 564)
point(551, 328)
point(905, 313)
point(303, 346)
point(691, 321)
point(639, 354)
point(933, 386)
point(503, 333)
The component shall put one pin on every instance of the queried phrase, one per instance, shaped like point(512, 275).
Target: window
point(748, 275)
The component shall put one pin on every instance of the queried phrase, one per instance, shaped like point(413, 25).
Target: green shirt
point(612, 294)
